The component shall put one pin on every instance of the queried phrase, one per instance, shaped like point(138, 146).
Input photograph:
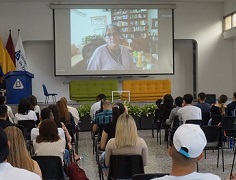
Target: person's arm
point(103, 140)
point(171, 117)
point(37, 169)
point(10, 114)
point(144, 153)
point(108, 152)
point(94, 128)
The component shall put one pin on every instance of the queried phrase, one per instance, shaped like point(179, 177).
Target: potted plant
point(85, 118)
point(147, 116)
point(135, 111)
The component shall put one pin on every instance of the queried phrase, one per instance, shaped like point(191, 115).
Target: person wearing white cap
point(188, 144)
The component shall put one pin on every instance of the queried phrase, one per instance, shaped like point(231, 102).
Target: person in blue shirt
point(232, 106)
point(205, 107)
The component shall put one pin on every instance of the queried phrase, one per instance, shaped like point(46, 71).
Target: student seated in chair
point(188, 144)
point(126, 141)
point(7, 171)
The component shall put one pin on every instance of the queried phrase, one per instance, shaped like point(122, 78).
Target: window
point(230, 21)
point(234, 20)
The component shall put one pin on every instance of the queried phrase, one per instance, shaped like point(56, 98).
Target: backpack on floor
point(76, 173)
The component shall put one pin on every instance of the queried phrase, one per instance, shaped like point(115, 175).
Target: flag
point(6, 63)
point(10, 48)
point(20, 55)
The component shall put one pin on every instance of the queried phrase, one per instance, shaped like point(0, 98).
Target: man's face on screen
point(112, 38)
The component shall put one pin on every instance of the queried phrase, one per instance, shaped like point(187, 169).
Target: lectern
point(18, 86)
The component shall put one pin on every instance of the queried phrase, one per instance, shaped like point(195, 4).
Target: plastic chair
point(213, 136)
point(205, 118)
point(51, 167)
point(46, 94)
point(172, 130)
point(158, 120)
point(125, 166)
point(194, 121)
point(28, 126)
point(148, 176)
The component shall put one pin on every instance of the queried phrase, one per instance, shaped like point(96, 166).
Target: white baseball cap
point(189, 140)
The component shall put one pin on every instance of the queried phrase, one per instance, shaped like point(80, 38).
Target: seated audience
point(205, 107)
point(9, 110)
point(103, 117)
point(64, 114)
point(96, 106)
point(109, 129)
point(46, 113)
point(188, 144)
point(232, 106)
point(33, 102)
point(72, 110)
point(48, 142)
point(188, 111)
point(7, 171)
point(18, 155)
point(220, 107)
point(126, 141)
point(61, 125)
point(173, 113)
point(3, 117)
point(165, 106)
point(25, 112)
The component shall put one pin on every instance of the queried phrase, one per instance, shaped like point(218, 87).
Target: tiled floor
point(158, 160)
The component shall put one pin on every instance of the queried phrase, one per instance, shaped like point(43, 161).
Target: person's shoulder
point(22, 174)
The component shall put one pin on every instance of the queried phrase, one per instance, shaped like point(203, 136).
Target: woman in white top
point(25, 112)
point(33, 102)
point(48, 142)
point(46, 113)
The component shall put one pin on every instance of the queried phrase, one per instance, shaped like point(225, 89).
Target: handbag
point(76, 173)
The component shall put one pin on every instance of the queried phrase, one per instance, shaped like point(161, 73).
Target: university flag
point(5, 60)
point(10, 48)
point(20, 55)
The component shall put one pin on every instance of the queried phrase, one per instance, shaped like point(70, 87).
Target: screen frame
point(111, 6)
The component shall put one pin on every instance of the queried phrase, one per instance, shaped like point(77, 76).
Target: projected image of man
point(112, 55)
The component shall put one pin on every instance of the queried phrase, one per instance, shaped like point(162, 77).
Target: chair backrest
point(206, 117)
point(51, 167)
point(212, 134)
point(216, 119)
point(23, 130)
point(28, 126)
point(148, 176)
point(210, 98)
point(70, 130)
point(176, 123)
point(228, 125)
point(194, 121)
point(125, 166)
point(45, 91)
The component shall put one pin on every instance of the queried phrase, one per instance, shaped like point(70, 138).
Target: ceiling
point(119, 1)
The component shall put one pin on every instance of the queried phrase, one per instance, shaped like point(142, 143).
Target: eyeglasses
point(112, 34)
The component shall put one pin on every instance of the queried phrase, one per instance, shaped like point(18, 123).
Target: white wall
point(199, 21)
point(230, 6)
